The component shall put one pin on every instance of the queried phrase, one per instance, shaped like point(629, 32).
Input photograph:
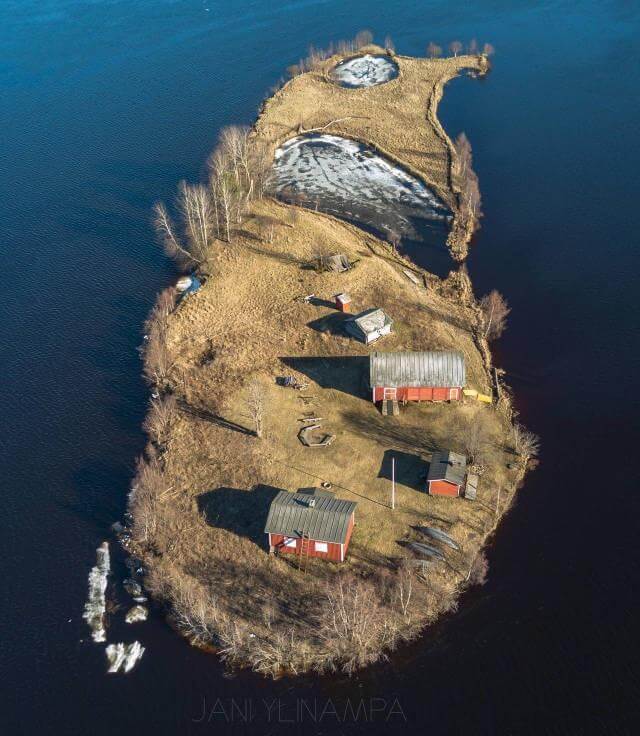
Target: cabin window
point(322, 547)
point(290, 542)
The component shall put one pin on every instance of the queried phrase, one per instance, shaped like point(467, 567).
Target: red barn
point(425, 376)
point(311, 522)
point(446, 475)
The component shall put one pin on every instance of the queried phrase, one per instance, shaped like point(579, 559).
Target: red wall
point(333, 550)
point(422, 393)
point(333, 553)
point(443, 488)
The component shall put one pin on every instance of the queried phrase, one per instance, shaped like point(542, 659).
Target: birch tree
point(494, 310)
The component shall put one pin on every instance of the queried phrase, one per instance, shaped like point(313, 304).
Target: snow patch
point(123, 657)
point(365, 71)
point(94, 608)
point(135, 614)
point(351, 180)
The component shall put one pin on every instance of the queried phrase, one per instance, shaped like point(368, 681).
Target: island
point(330, 445)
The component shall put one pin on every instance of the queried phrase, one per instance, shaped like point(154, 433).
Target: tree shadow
point(276, 255)
point(410, 469)
point(348, 374)
point(208, 416)
point(237, 510)
point(415, 439)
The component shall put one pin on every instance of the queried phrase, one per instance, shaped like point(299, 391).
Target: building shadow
point(238, 510)
point(330, 324)
point(410, 469)
point(349, 374)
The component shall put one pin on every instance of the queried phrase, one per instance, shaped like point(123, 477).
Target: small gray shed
point(369, 325)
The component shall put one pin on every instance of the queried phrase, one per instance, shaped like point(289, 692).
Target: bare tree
point(363, 38)
point(455, 47)
point(405, 588)
point(166, 232)
point(393, 236)
point(488, 49)
point(195, 205)
point(473, 46)
point(256, 406)
point(157, 357)
point(494, 310)
point(355, 627)
point(148, 486)
point(160, 418)
point(463, 149)
point(389, 44)
point(433, 50)
point(475, 437)
point(479, 569)
point(525, 443)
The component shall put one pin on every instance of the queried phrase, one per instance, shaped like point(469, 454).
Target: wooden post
point(393, 482)
point(498, 501)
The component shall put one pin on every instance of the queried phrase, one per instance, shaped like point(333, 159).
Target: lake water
point(106, 105)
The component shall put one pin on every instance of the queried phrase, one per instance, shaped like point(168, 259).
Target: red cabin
point(424, 376)
point(447, 472)
point(311, 522)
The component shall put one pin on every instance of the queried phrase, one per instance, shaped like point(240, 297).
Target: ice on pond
point(365, 71)
point(124, 656)
point(95, 606)
point(348, 179)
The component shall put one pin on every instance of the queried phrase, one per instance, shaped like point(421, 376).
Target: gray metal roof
point(371, 320)
point(442, 369)
point(326, 520)
point(447, 465)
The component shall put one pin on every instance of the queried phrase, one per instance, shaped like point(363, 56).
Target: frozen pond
point(348, 179)
point(365, 71)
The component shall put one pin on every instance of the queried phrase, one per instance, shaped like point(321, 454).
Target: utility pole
point(393, 482)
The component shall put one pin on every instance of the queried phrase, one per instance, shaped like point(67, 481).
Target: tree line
point(204, 213)
point(457, 47)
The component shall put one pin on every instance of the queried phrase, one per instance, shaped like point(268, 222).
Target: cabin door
point(389, 393)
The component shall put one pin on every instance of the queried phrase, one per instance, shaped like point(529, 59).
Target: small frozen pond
point(348, 179)
point(365, 71)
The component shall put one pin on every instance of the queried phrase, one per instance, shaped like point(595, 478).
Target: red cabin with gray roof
point(311, 522)
point(417, 376)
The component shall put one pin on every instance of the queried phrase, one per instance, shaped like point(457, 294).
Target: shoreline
point(200, 553)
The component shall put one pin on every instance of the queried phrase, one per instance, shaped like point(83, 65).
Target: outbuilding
point(311, 522)
point(369, 325)
point(417, 376)
point(447, 472)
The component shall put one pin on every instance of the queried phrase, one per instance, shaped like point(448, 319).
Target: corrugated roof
point(441, 369)
point(447, 465)
point(371, 320)
point(292, 515)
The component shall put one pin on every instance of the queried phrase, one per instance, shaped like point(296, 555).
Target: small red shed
point(447, 472)
point(343, 302)
point(419, 376)
point(311, 522)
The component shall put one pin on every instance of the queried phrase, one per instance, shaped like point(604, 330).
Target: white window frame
point(290, 542)
point(321, 546)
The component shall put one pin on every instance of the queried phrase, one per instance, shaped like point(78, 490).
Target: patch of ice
point(124, 656)
point(351, 180)
point(135, 614)
point(94, 608)
point(365, 71)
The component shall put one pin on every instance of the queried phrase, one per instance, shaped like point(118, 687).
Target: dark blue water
point(105, 106)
